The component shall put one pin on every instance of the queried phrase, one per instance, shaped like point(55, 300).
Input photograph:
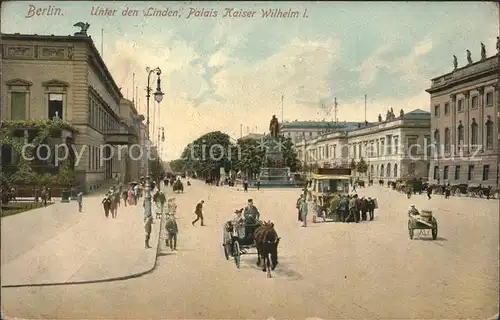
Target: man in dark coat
point(106, 204)
point(371, 208)
point(429, 192)
point(364, 208)
point(343, 208)
point(297, 205)
point(199, 213)
point(357, 208)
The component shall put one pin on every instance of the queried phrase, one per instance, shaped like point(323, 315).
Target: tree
point(290, 155)
point(353, 165)
point(362, 166)
point(251, 158)
point(178, 165)
point(207, 154)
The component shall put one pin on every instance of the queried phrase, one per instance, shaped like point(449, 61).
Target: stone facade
point(391, 149)
point(464, 124)
point(301, 130)
point(38, 70)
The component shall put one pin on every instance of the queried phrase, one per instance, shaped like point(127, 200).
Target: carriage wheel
point(457, 193)
point(480, 194)
point(237, 254)
point(410, 230)
point(435, 231)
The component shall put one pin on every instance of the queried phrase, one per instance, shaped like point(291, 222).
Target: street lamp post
point(158, 95)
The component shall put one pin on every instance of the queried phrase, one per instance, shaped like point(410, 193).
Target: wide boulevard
point(370, 270)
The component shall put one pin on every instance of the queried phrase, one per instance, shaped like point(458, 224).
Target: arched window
point(473, 134)
point(382, 170)
point(436, 141)
point(411, 168)
point(372, 170)
point(447, 138)
point(388, 170)
point(489, 134)
point(460, 137)
point(395, 170)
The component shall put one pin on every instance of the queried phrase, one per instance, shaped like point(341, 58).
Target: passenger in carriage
point(413, 211)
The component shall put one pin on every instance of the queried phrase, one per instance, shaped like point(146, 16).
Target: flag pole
point(102, 43)
point(282, 100)
point(365, 108)
point(133, 87)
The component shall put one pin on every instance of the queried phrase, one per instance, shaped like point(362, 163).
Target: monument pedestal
point(274, 174)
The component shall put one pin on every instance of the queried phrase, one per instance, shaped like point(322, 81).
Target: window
point(489, 98)
point(445, 173)
point(474, 134)
point(486, 172)
point(470, 172)
point(382, 170)
point(489, 134)
point(446, 108)
point(436, 141)
point(436, 173)
point(413, 145)
point(18, 104)
point(55, 106)
point(396, 145)
point(90, 158)
point(428, 145)
point(475, 102)
point(359, 150)
point(460, 105)
point(382, 147)
point(310, 134)
point(389, 145)
point(460, 138)
point(395, 171)
point(447, 138)
point(436, 110)
point(388, 170)
point(457, 173)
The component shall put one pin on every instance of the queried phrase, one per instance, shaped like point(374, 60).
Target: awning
point(329, 177)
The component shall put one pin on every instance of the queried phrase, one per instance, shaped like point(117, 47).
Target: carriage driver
point(251, 213)
point(413, 211)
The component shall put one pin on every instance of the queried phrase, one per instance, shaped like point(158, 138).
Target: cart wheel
point(458, 193)
point(435, 231)
point(314, 219)
point(410, 230)
point(227, 250)
point(236, 254)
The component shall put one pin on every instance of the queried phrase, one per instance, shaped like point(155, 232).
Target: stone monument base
point(275, 178)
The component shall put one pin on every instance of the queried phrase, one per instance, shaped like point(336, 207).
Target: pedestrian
point(79, 199)
point(172, 231)
point(343, 208)
point(106, 204)
point(258, 185)
point(357, 215)
point(371, 208)
point(429, 192)
point(160, 204)
point(199, 213)
point(124, 197)
point(364, 208)
point(148, 225)
point(352, 210)
point(297, 205)
point(245, 186)
point(304, 210)
point(114, 205)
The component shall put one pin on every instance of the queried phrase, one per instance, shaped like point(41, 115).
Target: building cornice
point(96, 60)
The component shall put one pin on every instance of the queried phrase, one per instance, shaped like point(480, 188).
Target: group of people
point(347, 208)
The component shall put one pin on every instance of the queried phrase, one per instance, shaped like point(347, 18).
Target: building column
point(480, 134)
point(467, 122)
point(453, 132)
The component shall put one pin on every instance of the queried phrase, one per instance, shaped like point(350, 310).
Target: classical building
point(300, 130)
point(64, 77)
point(392, 149)
point(464, 124)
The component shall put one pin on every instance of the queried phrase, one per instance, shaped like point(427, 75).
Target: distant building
point(300, 130)
point(384, 146)
point(465, 124)
point(255, 136)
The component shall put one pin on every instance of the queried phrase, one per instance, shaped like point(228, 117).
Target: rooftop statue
point(455, 62)
point(483, 51)
point(469, 58)
point(84, 26)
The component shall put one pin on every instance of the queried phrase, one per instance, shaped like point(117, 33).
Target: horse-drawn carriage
point(258, 236)
point(424, 222)
point(177, 186)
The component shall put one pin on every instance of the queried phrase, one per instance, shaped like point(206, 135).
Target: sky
point(226, 73)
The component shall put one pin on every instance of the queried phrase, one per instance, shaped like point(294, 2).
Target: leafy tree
point(207, 154)
point(290, 155)
point(353, 165)
point(362, 166)
point(178, 165)
point(251, 158)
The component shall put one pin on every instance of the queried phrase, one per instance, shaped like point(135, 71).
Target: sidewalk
point(59, 245)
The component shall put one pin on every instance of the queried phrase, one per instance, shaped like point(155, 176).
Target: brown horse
point(267, 240)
